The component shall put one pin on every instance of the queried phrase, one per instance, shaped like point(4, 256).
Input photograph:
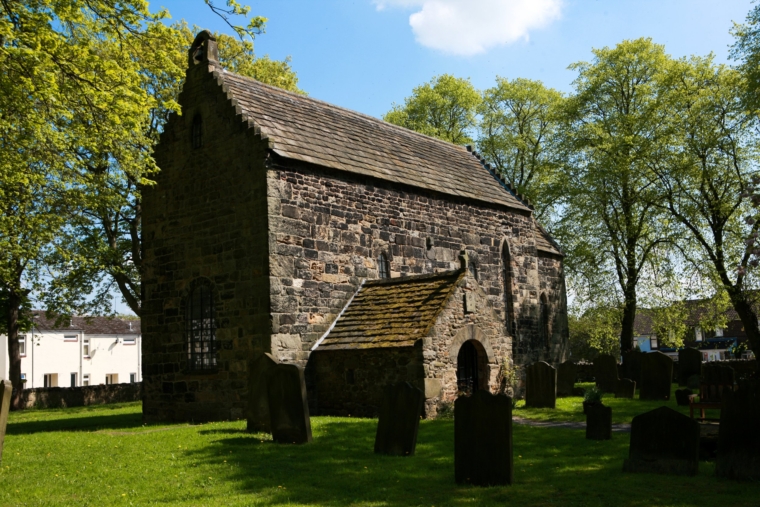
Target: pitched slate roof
point(90, 325)
point(309, 130)
point(392, 313)
point(545, 242)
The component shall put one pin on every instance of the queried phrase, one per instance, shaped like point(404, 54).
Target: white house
point(79, 352)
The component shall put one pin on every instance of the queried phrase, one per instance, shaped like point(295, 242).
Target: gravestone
point(739, 439)
point(6, 390)
point(540, 385)
point(605, 371)
point(626, 388)
point(682, 397)
point(718, 374)
point(598, 422)
point(632, 365)
point(399, 420)
point(288, 406)
point(566, 375)
point(663, 441)
point(259, 372)
point(483, 439)
point(689, 363)
point(693, 382)
point(656, 376)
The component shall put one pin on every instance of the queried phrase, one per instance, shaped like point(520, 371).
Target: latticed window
point(383, 266)
point(201, 330)
point(197, 131)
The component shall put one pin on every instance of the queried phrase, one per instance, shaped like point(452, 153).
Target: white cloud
point(468, 27)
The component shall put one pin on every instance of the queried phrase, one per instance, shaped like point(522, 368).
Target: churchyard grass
point(104, 456)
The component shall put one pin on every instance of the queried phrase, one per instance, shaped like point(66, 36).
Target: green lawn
point(104, 456)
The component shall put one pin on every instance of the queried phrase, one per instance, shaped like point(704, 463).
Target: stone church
point(364, 252)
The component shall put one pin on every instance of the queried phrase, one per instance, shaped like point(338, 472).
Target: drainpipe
point(80, 380)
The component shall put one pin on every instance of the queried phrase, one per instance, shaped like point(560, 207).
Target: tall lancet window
point(197, 131)
point(201, 329)
point(509, 305)
point(383, 266)
point(544, 321)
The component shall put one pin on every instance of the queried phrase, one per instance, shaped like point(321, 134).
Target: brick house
point(279, 222)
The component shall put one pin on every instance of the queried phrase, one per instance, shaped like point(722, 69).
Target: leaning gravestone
point(632, 365)
point(663, 441)
point(566, 374)
point(626, 388)
point(598, 422)
point(605, 371)
point(399, 420)
point(689, 363)
point(483, 439)
point(739, 439)
point(656, 376)
point(540, 385)
point(288, 406)
point(260, 370)
point(6, 390)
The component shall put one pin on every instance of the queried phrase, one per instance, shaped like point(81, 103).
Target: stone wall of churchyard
point(743, 369)
point(327, 230)
point(62, 397)
point(205, 222)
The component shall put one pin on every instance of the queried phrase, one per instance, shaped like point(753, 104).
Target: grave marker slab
point(288, 406)
point(605, 371)
point(689, 363)
point(598, 422)
point(663, 441)
point(632, 365)
point(399, 420)
point(626, 388)
point(739, 439)
point(567, 372)
point(656, 376)
point(483, 439)
point(259, 372)
point(682, 397)
point(540, 385)
point(6, 391)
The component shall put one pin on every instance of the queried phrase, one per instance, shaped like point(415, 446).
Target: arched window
point(201, 329)
point(383, 266)
point(509, 314)
point(197, 131)
point(544, 321)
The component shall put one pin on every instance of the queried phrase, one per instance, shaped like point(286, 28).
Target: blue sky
point(365, 55)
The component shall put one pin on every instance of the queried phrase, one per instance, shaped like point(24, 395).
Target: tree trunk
point(14, 304)
point(749, 321)
point(629, 316)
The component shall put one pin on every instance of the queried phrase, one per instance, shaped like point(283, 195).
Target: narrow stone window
point(197, 131)
point(509, 305)
point(350, 377)
point(383, 266)
point(201, 330)
point(544, 321)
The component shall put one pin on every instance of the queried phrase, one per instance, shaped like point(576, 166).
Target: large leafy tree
point(519, 133)
point(445, 108)
point(612, 226)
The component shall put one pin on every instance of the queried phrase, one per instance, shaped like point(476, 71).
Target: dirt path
point(621, 428)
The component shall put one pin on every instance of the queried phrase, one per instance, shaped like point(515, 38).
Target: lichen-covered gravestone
point(689, 363)
point(540, 385)
point(259, 372)
point(399, 420)
point(288, 405)
point(626, 388)
point(663, 441)
point(566, 375)
point(606, 373)
point(6, 390)
point(632, 365)
point(483, 439)
point(656, 376)
point(598, 422)
point(739, 438)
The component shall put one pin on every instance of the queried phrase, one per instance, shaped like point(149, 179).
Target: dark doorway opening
point(469, 377)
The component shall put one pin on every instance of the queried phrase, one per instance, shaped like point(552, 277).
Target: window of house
point(506, 262)
point(544, 321)
point(201, 330)
point(383, 266)
point(129, 340)
point(698, 334)
point(197, 131)
point(69, 337)
point(653, 342)
point(22, 345)
point(50, 380)
point(85, 379)
point(73, 380)
point(718, 331)
point(86, 347)
point(132, 378)
point(112, 378)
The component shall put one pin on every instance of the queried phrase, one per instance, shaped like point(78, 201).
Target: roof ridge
point(413, 278)
point(501, 178)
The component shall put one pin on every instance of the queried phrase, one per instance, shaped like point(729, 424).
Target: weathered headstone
point(6, 390)
point(689, 363)
point(632, 365)
point(540, 385)
point(656, 376)
point(566, 374)
point(693, 382)
point(483, 439)
point(682, 397)
point(598, 422)
point(663, 441)
point(288, 406)
point(605, 371)
point(399, 420)
point(739, 439)
point(626, 388)
point(259, 372)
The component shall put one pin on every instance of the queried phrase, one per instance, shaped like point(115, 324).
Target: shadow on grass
point(87, 423)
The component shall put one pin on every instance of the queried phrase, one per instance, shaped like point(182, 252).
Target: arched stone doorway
point(472, 367)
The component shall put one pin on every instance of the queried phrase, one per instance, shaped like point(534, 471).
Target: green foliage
point(596, 331)
point(593, 394)
point(669, 324)
point(444, 108)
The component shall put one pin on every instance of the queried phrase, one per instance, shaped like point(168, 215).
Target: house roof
point(392, 312)
point(90, 325)
point(302, 128)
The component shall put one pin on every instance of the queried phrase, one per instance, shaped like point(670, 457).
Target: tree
point(596, 331)
point(519, 133)
point(612, 227)
point(746, 50)
point(444, 108)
